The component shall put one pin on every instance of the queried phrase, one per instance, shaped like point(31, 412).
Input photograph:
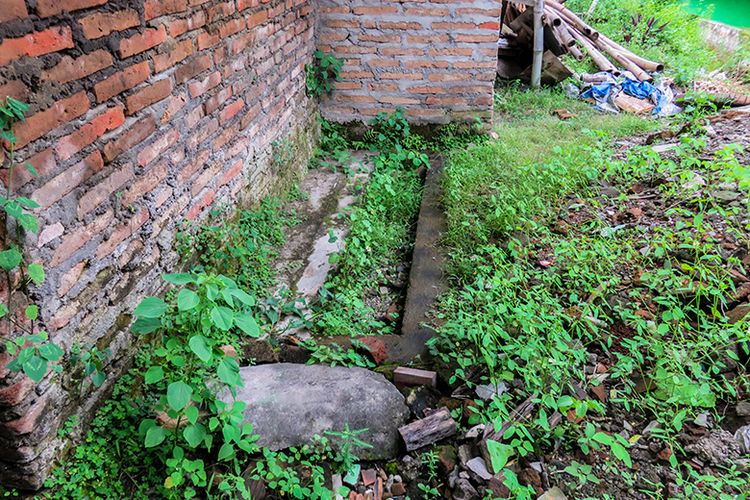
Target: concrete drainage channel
point(289, 402)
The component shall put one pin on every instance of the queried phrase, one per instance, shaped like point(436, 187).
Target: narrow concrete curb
point(426, 279)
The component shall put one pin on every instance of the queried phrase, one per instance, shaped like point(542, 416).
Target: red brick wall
point(143, 113)
point(436, 59)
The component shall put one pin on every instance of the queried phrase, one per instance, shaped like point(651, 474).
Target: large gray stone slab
point(288, 404)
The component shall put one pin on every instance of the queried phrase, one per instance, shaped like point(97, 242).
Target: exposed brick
point(156, 8)
point(43, 162)
point(192, 68)
point(50, 233)
point(47, 8)
point(145, 184)
point(201, 87)
point(121, 232)
point(45, 121)
point(101, 24)
point(230, 174)
point(77, 238)
point(36, 44)
point(27, 422)
point(149, 95)
point(15, 89)
point(89, 132)
point(70, 278)
point(181, 51)
point(13, 9)
point(13, 394)
point(150, 152)
point(141, 42)
point(129, 138)
point(69, 69)
point(230, 111)
point(247, 4)
point(121, 81)
point(68, 180)
point(174, 106)
point(96, 195)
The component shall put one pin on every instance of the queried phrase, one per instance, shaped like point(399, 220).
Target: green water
point(732, 12)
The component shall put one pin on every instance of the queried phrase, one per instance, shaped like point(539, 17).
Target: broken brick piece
point(413, 376)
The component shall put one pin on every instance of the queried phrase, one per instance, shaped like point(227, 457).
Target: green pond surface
point(732, 12)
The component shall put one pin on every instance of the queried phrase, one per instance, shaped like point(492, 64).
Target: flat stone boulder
point(288, 404)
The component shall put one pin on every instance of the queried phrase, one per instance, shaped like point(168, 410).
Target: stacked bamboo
point(575, 37)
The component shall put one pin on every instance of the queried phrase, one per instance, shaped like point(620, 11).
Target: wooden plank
point(431, 429)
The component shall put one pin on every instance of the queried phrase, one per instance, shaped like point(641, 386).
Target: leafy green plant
point(347, 443)
point(32, 350)
point(189, 369)
point(429, 460)
point(322, 73)
point(92, 361)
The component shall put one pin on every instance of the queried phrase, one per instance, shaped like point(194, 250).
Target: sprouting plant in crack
point(31, 348)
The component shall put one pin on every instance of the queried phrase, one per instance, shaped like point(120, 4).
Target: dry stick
point(640, 61)
point(624, 61)
point(572, 19)
point(601, 62)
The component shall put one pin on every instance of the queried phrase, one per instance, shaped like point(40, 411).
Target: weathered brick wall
point(436, 59)
point(143, 113)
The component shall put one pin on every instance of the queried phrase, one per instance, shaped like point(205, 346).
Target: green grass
point(533, 294)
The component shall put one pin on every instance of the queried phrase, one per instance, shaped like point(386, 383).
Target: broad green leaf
point(145, 326)
point(98, 379)
point(192, 414)
point(27, 202)
point(154, 374)
point(155, 436)
point(51, 351)
point(32, 312)
point(243, 297)
point(222, 317)
point(35, 368)
point(36, 273)
point(3, 310)
point(9, 259)
point(151, 307)
point(247, 324)
point(187, 299)
point(29, 223)
point(621, 453)
point(499, 454)
point(178, 395)
point(194, 434)
point(199, 345)
point(229, 371)
point(226, 451)
point(178, 278)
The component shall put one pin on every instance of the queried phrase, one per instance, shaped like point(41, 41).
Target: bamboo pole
point(575, 52)
point(624, 61)
point(573, 19)
point(601, 62)
point(640, 61)
point(536, 65)
point(563, 36)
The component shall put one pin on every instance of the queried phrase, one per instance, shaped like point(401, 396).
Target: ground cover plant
point(579, 268)
point(381, 227)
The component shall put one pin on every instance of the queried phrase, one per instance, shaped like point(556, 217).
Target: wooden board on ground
point(633, 104)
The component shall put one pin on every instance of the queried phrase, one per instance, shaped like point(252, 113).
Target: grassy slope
point(510, 318)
